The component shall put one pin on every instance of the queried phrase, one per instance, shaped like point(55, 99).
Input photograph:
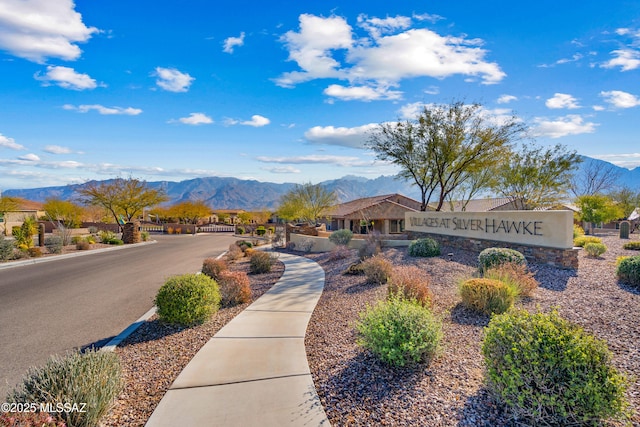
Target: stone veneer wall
point(131, 232)
point(563, 258)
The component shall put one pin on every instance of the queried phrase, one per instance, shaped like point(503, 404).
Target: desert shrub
point(240, 230)
point(595, 249)
point(620, 258)
point(634, 246)
point(188, 299)
point(117, 242)
point(577, 231)
point(580, 241)
point(354, 270)
point(487, 296)
point(339, 252)
point(212, 267)
point(515, 275)
point(272, 230)
point(377, 269)
point(249, 252)
point(34, 252)
point(6, 249)
point(305, 246)
point(235, 287)
point(234, 253)
point(93, 229)
point(424, 248)
point(76, 239)
point(29, 419)
point(400, 332)
point(410, 282)
point(244, 244)
point(53, 244)
point(261, 231)
point(547, 371)
point(170, 230)
point(93, 377)
point(83, 245)
point(90, 239)
point(261, 262)
point(108, 236)
point(145, 236)
point(341, 237)
point(371, 247)
point(492, 257)
point(628, 271)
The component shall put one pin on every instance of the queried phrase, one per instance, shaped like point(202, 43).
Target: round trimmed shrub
point(341, 237)
point(633, 246)
point(425, 247)
point(492, 257)
point(580, 241)
point(400, 332)
point(261, 262)
point(212, 267)
point(548, 371)
point(628, 271)
point(188, 299)
point(410, 282)
point(93, 377)
point(235, 287)
point(594, 250)
point(488, 296)
point(377, 269)
point(515, 275)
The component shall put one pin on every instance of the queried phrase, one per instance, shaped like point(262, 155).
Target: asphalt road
point(53, 307)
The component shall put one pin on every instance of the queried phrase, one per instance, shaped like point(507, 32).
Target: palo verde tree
point(63, 212)
point(535, 176)
point(189, 211)
point(445, 146)
point(126, 197)
point(306, 202)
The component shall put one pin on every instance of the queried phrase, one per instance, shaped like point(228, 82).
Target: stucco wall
point(322, 244)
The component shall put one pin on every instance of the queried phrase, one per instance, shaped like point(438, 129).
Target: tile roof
point(347, 208)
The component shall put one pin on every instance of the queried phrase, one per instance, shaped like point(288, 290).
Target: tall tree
point(627, 199)
point(445, 146)
point(594, 177)
point(597, 208)
point(306, 202)
point(534, 176)
point(126, 197)
point(63, 212)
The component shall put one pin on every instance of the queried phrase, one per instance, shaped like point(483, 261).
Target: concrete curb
point(12, 264)
point(111, 345)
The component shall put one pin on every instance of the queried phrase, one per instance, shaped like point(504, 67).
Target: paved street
point(57, 306)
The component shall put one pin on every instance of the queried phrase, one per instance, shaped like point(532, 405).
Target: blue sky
point(286, 91)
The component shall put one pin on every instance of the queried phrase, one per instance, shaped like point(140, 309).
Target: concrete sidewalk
point(254, 371)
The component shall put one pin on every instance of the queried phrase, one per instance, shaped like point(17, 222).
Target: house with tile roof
point(384, 214)
point(16, 217)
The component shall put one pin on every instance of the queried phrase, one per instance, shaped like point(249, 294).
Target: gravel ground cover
point(358, 390)
point(154, 355)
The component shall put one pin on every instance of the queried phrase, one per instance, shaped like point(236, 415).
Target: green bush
point(577, 231)
point(487, 295)
point(93, 378)
point(547, 371)
point(107, 236)
point(53, 244)
point(240, 230)
point(76, 239)
point(145, 236)
point(188, 299)
point(377, 269)
point(424, 248)
point(261, 231)
point(595, 249)
point(400, 332)
point(341, 237)
point(634, 246)
point(580, 241)
point(492, 257)
point(212, 267)
point(628, 271)
point(260, 262)
point(6, 249)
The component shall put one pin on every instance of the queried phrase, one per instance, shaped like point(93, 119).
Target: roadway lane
point(52, 307)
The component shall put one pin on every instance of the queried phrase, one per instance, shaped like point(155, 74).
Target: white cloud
point(355, 137)
point(411, 111)
point(231, 42)
point(505, 99)
point(67, 78)
point(562, 100)
point(626, 59)
point(328, 48)
point(316, 159)
point(195, 119)
point(571, 124)
point(363, 93)
point(626, 160)
point(173, 80)
point(6, 142)
point(57, 149)
point(282, 169)
point(129, 111)
point(40, 29)
point(620, 99)
point(30, 157)
point(256, 121)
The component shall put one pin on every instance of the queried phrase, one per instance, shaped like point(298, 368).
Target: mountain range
point(234, 193)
